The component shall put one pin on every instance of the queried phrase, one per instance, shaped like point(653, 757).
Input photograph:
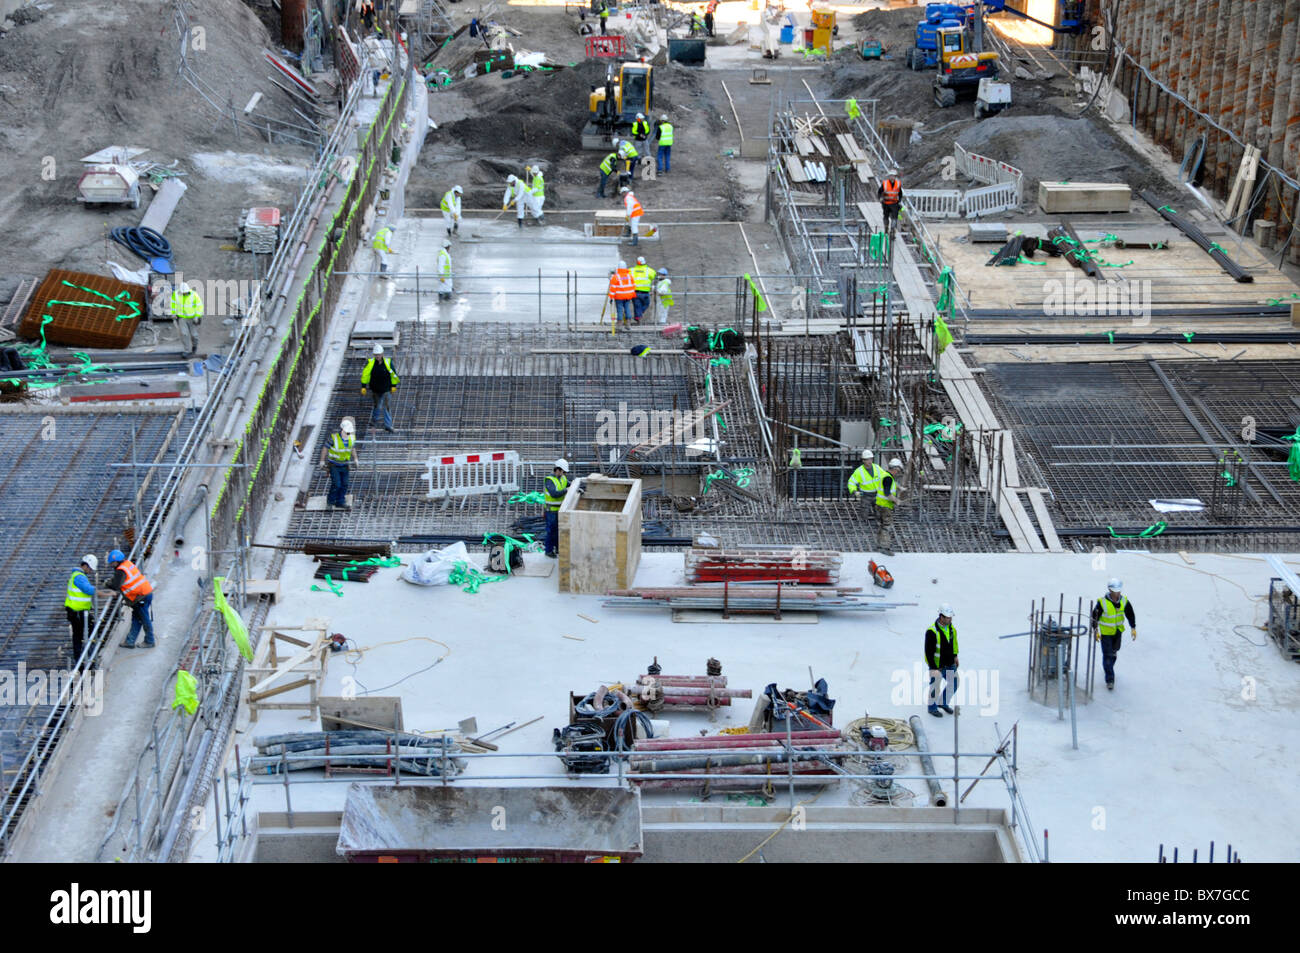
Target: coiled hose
point(587, 707)
point(144, 242)
point(620, 728)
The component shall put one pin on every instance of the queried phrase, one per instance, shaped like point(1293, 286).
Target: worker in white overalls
point(451, 209)
point(518, 194)
point(444, 271)
point(382, 248)
point(537, 192)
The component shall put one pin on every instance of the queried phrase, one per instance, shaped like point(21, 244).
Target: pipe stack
point(343, 750)
point(812, 567)
point(748, 598)
point(689, 692)
point(763, 754)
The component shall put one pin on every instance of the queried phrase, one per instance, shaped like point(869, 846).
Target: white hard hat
point(379, 349)
point(1115, 585)
point(183, 287)
point(663, 118)
point(615, 141)
point(895, 464)
point(868, 455)
point(91, 560)
point(457, 189)
point(446, 243)
point(562, 464)
point(945, 610)
point(640, 261)
point(892, 173)
point(624, 189)
point(640, 115)
point(348, 425)
point(622, 264)
point(663, 271)
point(512, 178)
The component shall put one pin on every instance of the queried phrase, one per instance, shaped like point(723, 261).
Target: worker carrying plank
point(880, 490)
point(131, 584)
point(1108, 616)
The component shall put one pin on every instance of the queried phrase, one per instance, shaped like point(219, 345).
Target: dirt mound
point(896, 29)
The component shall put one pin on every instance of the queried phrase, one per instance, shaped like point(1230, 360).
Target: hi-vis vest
point(539, 186)
point(1111, 621)
point(665, 134)
point(621, 287)
point(626, 150)
point(643, 277)
point(893, 191)
point(665, 291)
point(340, 448)
point(451, 202)
point(381, 239)
point(556, 487)
point(186, 305)
point(607, 166)
point(444, 263)
point(76, 600)
point(134, 585)
point(633, 206)
point(640, 128)
point(370, 367)
point(941, 634)
point(872, 481)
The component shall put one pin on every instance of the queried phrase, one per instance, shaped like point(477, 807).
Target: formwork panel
point(84, 310)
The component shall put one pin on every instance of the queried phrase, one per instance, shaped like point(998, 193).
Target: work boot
point(390, 429)
point(541, 220)
point(946, 708)
point(936, 712)
point(886, 550)
point(1110, 686)
point(520, 222)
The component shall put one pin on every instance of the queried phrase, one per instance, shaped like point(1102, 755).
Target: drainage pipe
point(937, 797)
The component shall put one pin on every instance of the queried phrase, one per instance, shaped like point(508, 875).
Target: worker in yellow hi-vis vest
point(1109, 613)
point(187, 312)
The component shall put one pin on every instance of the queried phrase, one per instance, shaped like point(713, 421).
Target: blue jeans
point(338, 494)
point(1109, 649)
point(640, 303)
point(664, 159)
point(623, 308)
point(141, 617)
point(943, 686)
point(552, 531)
point(381, 413)
point(600, 192)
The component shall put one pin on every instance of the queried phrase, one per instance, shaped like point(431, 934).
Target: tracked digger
point(614, 105)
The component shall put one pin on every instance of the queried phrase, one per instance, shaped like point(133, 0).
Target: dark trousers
point(1109, 649)
point(943, 685)
point(600, 192)
point(602, 25)
point(380, 414)
point(339, 483)
point(891, 214)
point(640, 303)
point(141, 617)
point(664, 159)
point(708, 23)
point(552, 531)
point(79, 620)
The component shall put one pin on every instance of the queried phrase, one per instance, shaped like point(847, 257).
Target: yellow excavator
point(614, 106)
point(962, 64)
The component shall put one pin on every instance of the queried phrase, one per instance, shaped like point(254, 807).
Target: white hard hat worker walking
point(941, 660)
point(879, 489)
point(555, 487)
point(1109, 613)
point(339, 452)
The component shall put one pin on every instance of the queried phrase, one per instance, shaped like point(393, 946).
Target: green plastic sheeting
point(186, 694)
point(234, 624)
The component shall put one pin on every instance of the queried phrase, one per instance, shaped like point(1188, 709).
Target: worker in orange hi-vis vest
point(634, 211)
point(622, 291)
point(890, 194)
point(130, 582)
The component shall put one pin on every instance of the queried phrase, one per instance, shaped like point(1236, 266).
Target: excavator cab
point(614, 106)
point(961, 66)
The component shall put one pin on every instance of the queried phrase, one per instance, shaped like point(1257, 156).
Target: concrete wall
point(706, 834)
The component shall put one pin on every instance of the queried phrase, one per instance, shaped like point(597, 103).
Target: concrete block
point(1058, 198)
point(988, 232)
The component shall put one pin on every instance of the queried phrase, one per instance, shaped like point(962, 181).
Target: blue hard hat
point(116, 556)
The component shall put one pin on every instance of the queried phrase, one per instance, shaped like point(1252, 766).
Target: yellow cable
point(779, 829)
point(353, 656)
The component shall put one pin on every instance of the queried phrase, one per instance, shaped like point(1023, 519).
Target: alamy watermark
point(628, 427)
point(976, 688)
point(24, 688)
point(1087, 297)
point(228, 298)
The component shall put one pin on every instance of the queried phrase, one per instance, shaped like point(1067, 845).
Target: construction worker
point(1108, 615)
point(80, 601)
point(878, 486)
point(604, 16)
point(627, 152)
point(697, 23)
point(663, 159)
point(643, 280)
point(890, 194)
point(708, 16)
point(941, 660)
point(451, 209)
point(367, 14)
point(380, 379)
point(340, 450)
point(606, 170)
point(444, 270)
point(186, 307)
point(640, 129)
point(557, 485)
point(663, 296)
point(537, 193)
point(130, 582)
point(516, 194)
point(382, 248)
point(622, 291)
point(634, 212)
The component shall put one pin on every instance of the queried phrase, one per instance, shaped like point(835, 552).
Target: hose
point(620, 727)
point(144, 242)
point(587, 709)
